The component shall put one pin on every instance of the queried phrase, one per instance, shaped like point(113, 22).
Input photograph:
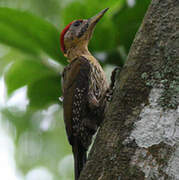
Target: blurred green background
point(32, 132)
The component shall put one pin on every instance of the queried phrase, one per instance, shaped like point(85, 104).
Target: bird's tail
point(79, 154)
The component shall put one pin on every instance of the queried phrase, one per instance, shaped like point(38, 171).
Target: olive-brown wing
point(75, 93)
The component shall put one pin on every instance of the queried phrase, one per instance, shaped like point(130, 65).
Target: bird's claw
point(110, 91)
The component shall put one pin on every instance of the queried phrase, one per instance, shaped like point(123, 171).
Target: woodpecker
point(83, 86)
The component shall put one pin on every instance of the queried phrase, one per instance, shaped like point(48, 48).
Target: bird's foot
point(111, 89)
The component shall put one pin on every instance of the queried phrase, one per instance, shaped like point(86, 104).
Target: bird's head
point(78, 33)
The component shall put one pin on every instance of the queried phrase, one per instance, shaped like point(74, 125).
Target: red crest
point(62, 36)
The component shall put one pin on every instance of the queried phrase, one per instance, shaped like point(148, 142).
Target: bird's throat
point(76, 52)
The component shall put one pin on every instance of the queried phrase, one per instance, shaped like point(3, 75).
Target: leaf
point(21, 121)
point(24, 72)
point(44, 92)
point(128, 20)
point(3, 61)
point(29, 33)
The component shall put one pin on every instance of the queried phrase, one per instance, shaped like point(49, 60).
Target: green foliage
point(32, 35)
point(29, 33)
point(128, 20)
point(25, 72)
point(44, 91)
point(35, 146)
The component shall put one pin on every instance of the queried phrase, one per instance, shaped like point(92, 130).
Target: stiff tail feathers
point(79, 154)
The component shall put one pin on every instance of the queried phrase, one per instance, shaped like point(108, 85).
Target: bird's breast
point(98, 84)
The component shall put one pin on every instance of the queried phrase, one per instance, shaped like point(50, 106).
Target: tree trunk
point(139, 138)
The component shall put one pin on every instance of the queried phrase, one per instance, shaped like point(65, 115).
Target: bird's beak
point(93, 21)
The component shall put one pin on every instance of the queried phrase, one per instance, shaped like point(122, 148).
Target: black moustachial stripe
point(83, 30)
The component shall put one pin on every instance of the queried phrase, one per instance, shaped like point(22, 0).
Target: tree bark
point(139, 138)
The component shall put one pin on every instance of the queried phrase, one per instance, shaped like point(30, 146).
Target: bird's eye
point(77, 23)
